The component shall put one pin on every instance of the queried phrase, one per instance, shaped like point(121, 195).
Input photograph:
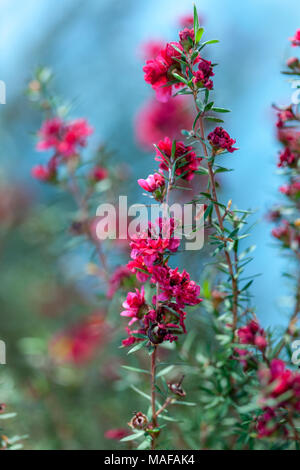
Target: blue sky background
point(92, 46)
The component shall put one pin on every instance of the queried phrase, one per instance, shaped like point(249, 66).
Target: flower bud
point(139, 421)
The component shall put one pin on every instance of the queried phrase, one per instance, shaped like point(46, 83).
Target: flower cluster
point(282, 386)
point(220, 140)
point(287, 216)
point(253, 334)
point(158, 71)
point(65, 139)
point(163, 315)
point(203, 74)
point(183, 157)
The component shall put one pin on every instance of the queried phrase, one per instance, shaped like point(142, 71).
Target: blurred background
point(95, 50)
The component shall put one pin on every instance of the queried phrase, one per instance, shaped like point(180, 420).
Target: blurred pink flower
point(156, 119)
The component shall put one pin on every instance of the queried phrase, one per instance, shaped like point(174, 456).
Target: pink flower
point(184, 156)
point(285, 233)
point(41, 173)
point(98, 174)
point(187, 21)
point(220, 140)
point(150, 246)
point(284, 116)
point(187, 38)
point(293, 63)
point(116, 434)
point(295, 40)
point(242, 355)
point(50, 134)
point(63, 137)
point(138, 267)
point(290, 136)
point(186, 34)
point(203, 74)
point(152, 48)
point(46, 173)
point(158, 72)
point(291, 190)
point(286, 158)
point(121, 274)
point(154, 183)
point(267, 423)
point(253, 334)
point(132, 339)
point(277, 379)
point(156, 119)
point(78, 344)
point(174, 284)
point(135, 306)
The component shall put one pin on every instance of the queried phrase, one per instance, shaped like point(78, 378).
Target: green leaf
point(137, 390)
point(138, 346)
point(8, 415)
point(211, 41)
point(165, 371)
point(196, 21)
point(146, 444)
point(221, 110)
point(135, 369)
point(213, 119)
point(132, 437)
point(185, 403)
point(180, 78)
point(199, 35)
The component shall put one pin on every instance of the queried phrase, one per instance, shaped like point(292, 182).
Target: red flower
point(138, 267)
point(153, 183)
point(187, 21)
point(203, 74)
point(187, 34)
point(291, 190)
point(187, 38)
point(78, 344)
point(117, 279)
point(293, 63)
point(290, 137)
point(267, 423)
point(286, 158)
point(148, 247)
point(295, 40)
point(158, 72)
point(286, 234)
point(220, 140)
point(46, 173)
point(116, 434)
point(98, 174)
point(253, 334)
point(173, 284)
point(132, 339)
point(135, 306)
point(284, 116)
point(63, 137)
point(184, 157)
point(41, 173)
point(151, 49)
point(156, 119)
